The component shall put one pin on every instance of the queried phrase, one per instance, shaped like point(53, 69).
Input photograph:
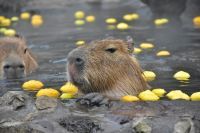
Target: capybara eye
point(21, 66)
point(78, 59)
point(6, 67)
point(111, 50)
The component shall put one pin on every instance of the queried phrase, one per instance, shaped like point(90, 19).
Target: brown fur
point(113, 74)
point(15, 47)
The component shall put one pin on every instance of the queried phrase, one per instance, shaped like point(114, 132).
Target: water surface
point(57, 36)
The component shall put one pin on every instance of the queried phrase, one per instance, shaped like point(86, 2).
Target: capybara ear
point(30, 61)
point(19, 36)
point(130, 44)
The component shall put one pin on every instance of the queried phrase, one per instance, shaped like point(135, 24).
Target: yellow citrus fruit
point(137, 50)
point(90, 19)
point(32, 85)
point(129, 98)
point(181, 75)
point(36, 22)
point(196, 21)
point(9, 32)
point(14, 19)
point(159, 92)
point(25, 15)
point(148, 96)
point(122, 26)
point(79, 14)
point(48, 92)
point(2, 30)
point(161, 21)
point(146, 45)
point(195, 96)
point(79, 22)
point(163, 53)
point(128, 17)
point(1, 18)
point(69, 88)
point(66, 96)
point(80, 42)
point(177, 94)
point(36, 16)
point(149, 75)
point(111, 20)
point(5, 22)
point(135, 16)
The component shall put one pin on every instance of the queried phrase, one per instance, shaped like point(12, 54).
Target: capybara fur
point(105, 67)
point(16, 60)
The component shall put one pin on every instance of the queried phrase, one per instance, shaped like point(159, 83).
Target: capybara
point(16, 60)
point(106, 67)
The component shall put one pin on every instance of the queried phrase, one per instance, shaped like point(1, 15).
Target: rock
point(183, 126)
point(15, 99)
point(44, 102)
point(21, 128)
point(142, 127)
point(79, 124)
point(44, 126)
point(20, 112)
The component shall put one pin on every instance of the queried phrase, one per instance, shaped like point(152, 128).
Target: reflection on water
point(56, 38)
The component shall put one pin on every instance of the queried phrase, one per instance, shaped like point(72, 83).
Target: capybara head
point(16, 60)
point(107, 67)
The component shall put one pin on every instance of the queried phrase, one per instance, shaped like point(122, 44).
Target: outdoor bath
point(59, 33)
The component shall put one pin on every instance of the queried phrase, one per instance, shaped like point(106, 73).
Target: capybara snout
point(77, 57)
point(16, 60)
point(76, 65)
point(105, 66)
point(13, 67)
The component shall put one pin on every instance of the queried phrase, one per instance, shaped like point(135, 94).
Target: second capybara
point(106, 67)
point(16, 60)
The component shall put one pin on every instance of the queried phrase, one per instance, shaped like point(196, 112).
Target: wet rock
point(15, 99)
point(79, 124)
point(183, 126)
point(43, 126)
point(44, 102)
point(142, 127)
point(49, 115)
point(93, 99)
point(19, 129)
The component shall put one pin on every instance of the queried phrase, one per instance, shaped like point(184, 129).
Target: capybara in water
point(16, 60)
point(106, 67)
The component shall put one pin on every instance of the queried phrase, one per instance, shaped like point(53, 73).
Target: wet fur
point(17, 45)
point(113, 74)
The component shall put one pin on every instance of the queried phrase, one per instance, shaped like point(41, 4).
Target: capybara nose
point(79, 61)
point(77, 57)
point(12, 71)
